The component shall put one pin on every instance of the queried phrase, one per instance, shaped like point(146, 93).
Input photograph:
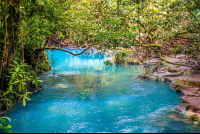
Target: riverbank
point(189, 87)
point(183, 78)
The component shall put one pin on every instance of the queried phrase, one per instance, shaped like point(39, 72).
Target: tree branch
point(57, 48)
point(192, 14)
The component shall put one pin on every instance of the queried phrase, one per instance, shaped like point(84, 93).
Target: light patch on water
point(111, 102)
point(70, 109)
point(121, 100)
point(134, 77)
point(128, 129)
point(149, 129)
point(68, 72)
point(77, 126)
point(125, 119)
point(138, 89)
point(160, 110)
point(62, 85)
point(52, 75)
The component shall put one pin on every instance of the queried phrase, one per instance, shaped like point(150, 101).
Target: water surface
point(86, 96)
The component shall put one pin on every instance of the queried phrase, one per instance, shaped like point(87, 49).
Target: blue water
point(86, 96)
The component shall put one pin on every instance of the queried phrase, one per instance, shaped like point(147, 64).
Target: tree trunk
point(11, 31)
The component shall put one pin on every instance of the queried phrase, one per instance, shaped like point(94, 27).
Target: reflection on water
point(86, 96)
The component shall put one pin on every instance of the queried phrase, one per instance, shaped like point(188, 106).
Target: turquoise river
point(85, 96)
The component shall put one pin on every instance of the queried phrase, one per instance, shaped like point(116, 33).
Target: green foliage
point(198, 120)
point(4, 126)
point(172, 70)
point(177, 86)
point(177, 50)
point(177, 89)
point(42, 63)
point(193, 117)
point(53, 61)
point(120, 56)
point(181, 73)
point(21, 74)
point(107, 63)
point(177, 83)
point(186, 107)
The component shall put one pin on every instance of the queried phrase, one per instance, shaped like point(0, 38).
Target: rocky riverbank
point(189, 87)
point(183, 78)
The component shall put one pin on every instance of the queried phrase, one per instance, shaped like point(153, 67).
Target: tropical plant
point(4, 126)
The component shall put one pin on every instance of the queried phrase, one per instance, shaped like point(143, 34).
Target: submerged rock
point(144, 76)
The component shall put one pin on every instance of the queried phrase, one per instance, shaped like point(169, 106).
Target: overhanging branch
point(57, 48)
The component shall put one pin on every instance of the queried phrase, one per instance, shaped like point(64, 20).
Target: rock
point(180, 56)
point(184, 68)
point(119, 48)
point(143, 76)
point(175, 60)
point(133, 61)
point(181, 108)
point(193, 101)
point(174, 84)
point(156, 60)
point(111, 53)
point(151, 62)
point(187, 85)
point(166, 74)
point(196, 123)
point(187, 90)
point(111, 58)
point(167, 80)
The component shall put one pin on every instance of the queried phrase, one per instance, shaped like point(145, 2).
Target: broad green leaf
point(24, 102)
point(2, 120)
point(21, 75)
point(9, 126)
point(9, 119)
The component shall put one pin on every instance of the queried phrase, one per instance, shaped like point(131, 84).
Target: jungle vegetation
point(147, 27)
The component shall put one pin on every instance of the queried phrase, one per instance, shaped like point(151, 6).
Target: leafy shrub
point(177, 50)
point(4, 126)
point(186, 107)
point(193, 117)
point(107, 63)
point(120, 56)
point(198, 120)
